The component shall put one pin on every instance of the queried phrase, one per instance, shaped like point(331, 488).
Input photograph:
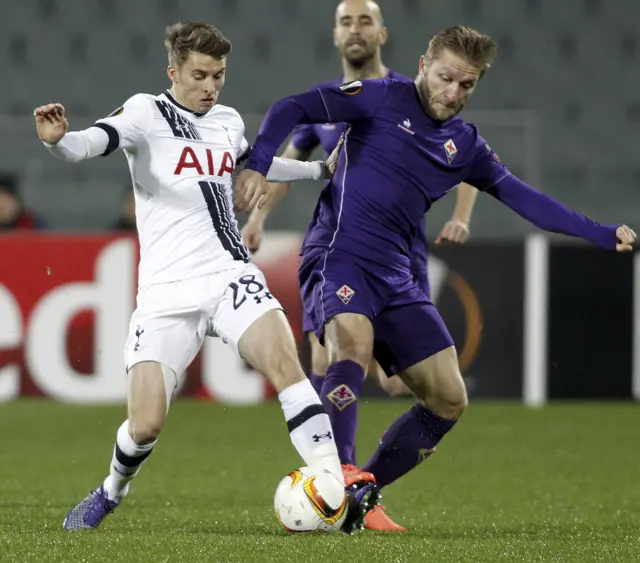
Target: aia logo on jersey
point(450, 150)
point(205, 165)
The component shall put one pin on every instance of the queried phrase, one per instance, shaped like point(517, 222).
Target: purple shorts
point(407, 325)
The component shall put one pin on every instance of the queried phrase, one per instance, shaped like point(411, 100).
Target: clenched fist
point(454, 231)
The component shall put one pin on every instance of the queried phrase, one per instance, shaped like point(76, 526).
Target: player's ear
point(335, 38)
point(384, 35)
point(171, 73)
point(422, 64)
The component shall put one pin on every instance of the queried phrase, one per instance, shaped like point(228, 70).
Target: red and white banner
point(66, 301)
point(65, 304)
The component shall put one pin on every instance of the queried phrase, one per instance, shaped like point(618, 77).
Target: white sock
point(125, 463)
point(309, 427)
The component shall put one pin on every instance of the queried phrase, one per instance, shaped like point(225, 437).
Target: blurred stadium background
point(535, 318)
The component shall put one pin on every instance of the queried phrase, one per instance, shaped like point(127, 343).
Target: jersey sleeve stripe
point(114, 137)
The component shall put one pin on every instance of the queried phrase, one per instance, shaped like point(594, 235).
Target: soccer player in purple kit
point(359, 34)
point(405, 148)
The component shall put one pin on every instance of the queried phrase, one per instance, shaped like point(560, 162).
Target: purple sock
point(316, 382)
point(340, 390)
point(410, 440)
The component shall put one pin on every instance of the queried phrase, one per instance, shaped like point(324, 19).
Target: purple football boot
point(361, 500)
point(90, 512)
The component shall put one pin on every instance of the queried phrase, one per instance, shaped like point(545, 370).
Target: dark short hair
point(183, 38)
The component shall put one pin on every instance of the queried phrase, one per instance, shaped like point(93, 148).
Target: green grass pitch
point(508, 484)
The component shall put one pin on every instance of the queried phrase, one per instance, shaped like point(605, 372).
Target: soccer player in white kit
point(182, 148)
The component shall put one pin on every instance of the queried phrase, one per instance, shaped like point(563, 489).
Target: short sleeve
point(127, 125)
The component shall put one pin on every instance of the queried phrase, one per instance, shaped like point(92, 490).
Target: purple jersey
point(395, 163)
point(311, 135)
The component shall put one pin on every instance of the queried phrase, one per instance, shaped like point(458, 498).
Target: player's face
point(198, 81)
point(359, 32)
point(446, 82)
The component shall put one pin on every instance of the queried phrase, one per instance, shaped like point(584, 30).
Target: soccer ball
point(311, 501)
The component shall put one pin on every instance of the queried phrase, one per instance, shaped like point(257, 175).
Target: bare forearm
point(278, 191)
point(465, 201)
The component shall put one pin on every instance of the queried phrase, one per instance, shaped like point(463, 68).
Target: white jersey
point(181, 165)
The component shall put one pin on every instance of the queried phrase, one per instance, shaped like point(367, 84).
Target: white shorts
point(171, 319)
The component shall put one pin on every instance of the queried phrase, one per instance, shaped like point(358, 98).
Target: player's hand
point(626, 237)
point(331, 163)
point(51, 123)
point(252, 234)
point(251, 189)
point(454, 231)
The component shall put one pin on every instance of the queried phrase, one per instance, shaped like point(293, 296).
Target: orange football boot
point(354, 476)
point(378, 521)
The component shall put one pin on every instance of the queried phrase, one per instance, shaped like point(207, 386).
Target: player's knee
point(356, 348)
point(356, 351)
point(449, 401)
point(145, 429)
point(349, 337)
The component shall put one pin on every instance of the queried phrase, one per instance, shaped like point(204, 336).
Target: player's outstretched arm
point(551, 215)
point(125, 128)
point(325, 104)
point(457, 228)
point(52, 127)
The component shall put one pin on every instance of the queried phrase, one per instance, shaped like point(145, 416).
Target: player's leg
point(149, 393)
point(157, 349)
point(269, 346)
point(319, 361)
point(151, 386)
point(348, 339)
point(252, 321)
point(318, 352)
point(429, 366)
point(412, 438)
point(339, 300)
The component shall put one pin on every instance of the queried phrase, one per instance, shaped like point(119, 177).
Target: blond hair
point(477, 48)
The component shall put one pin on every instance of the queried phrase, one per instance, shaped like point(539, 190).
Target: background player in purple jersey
point(359, 34)
point(404, 149)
